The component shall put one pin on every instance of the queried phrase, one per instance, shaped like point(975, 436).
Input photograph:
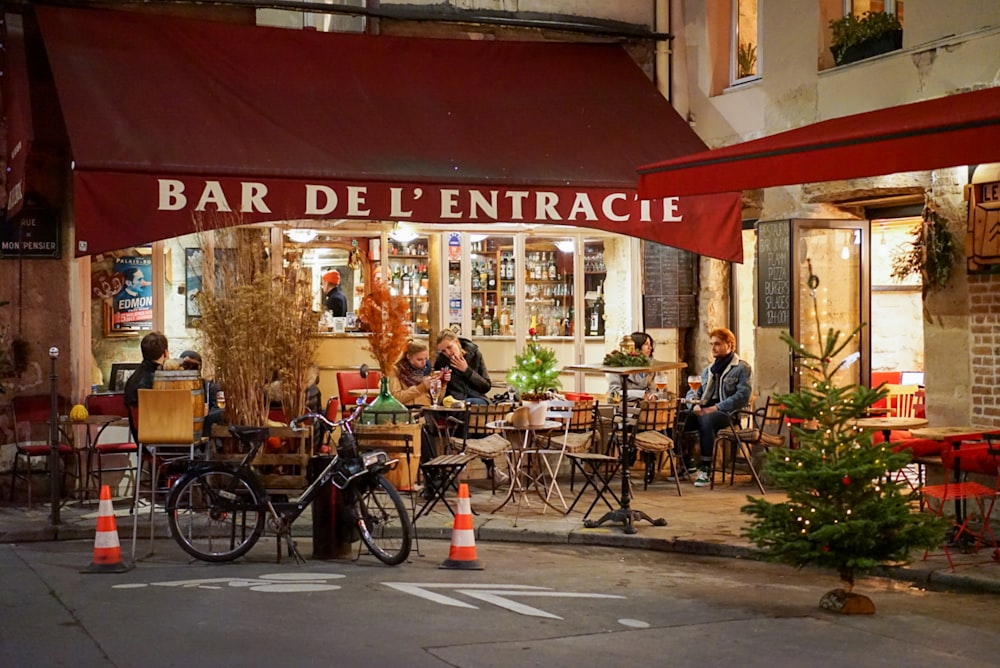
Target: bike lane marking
point(495, 594)
point(272, 582)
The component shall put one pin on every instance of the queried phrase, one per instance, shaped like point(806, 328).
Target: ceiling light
point(403, 233)
point(301, 235)
point(565, 245)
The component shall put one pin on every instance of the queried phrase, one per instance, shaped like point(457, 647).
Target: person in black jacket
point(154, 354)
point(469, 380)
point(334, 298)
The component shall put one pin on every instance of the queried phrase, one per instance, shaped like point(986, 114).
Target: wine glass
point(435, 390)
point(660, 380)
point(694, 382)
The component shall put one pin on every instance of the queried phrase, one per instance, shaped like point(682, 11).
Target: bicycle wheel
point(384, 524)
point(215, 514)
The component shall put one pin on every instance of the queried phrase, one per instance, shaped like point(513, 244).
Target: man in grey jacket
point(725, 389)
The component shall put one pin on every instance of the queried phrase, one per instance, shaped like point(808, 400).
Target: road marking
point(282, 583)
point(495, 594)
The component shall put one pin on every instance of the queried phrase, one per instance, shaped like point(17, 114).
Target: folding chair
point(483, 441)
point(444, 471)
point(646, 431)
point(579, 433)
point(112, 408)
point(598, 471)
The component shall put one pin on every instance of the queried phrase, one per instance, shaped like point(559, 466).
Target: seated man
point(154, 354)
point(725, 389)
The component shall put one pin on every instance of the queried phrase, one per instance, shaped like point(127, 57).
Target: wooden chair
point(901, 400)
point(31, 419)
point(763, 433)
point(647, 430)
point(483, 441)
point(165, 429)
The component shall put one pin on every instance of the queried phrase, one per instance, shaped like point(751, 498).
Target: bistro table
point(627, 515)
point(952, 435)
point(521, 441)
point(887, 424)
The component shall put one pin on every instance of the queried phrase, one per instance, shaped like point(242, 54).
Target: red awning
point(962, 129)
point(17, 109)
point(169, 117)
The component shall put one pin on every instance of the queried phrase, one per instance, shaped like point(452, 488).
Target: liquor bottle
point(406, 280)
point(505, 319)
point(599, 309)
point(476, 283)
point(491, 276)
point(553, 272)
point(477, 328)
point(487, 322)
point(495, 329)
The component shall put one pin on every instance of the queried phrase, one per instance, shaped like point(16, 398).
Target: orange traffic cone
point(107, 549)
point(463, 536)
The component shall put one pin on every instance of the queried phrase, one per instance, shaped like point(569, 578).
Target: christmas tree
point(535, 370)
point(845, 508)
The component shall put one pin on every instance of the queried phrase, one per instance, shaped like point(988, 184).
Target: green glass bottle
point(385, 409)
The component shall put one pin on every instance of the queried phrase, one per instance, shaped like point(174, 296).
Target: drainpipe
point(661, 66)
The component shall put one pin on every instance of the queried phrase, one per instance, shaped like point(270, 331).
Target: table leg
point(626, 514)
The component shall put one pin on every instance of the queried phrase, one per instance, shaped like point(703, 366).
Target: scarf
point(718, 366)
point(408, 376)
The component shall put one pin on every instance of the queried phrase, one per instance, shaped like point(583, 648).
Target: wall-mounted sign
point(983, 246)
point(33, 233)
point(774, 287)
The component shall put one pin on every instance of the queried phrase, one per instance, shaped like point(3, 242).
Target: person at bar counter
point(725, 389)
point(154, 353)
point(469, 380)
point(334, 298)
point(410, 380)
point(638, 385)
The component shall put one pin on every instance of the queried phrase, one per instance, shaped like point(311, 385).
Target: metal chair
point(764, 432)
point(111, 406)
point(33, 423)
point(485, 442)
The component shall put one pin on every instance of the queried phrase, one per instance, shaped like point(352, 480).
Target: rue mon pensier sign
point(32, 233)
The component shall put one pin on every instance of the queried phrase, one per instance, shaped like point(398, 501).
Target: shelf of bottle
point(400, 256)
point(559, 281)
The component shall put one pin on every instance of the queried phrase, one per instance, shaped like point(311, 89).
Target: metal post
point(54, 439)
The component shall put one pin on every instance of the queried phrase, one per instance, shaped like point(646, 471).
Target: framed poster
point(132, 306)
point(193, 276)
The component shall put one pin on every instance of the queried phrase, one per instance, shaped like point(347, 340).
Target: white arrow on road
point(496, 594)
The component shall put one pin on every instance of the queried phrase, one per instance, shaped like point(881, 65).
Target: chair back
point(32, 413)
point(106, 404)
point(901, 400)
point(479, 415)
point(772, 417)
point(655, 415)
point(165, 417)
point(352, 380)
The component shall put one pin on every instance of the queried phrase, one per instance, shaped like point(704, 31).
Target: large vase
point(537, 411)
point(385, 409)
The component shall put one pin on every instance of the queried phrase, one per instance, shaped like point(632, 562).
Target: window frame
point(734, 43)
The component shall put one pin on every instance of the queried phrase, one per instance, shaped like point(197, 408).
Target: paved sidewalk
point(702, 521)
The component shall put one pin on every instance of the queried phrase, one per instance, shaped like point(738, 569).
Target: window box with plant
point(870, 34)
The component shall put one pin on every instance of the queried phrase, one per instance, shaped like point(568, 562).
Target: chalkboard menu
point(668, 287)
point(774, 289)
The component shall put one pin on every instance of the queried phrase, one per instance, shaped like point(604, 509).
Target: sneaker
point(684, 476)
point(703, 479)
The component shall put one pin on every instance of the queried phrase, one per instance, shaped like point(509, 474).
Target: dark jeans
point(707, 425)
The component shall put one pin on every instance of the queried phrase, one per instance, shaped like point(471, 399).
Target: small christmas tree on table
point(535, 370)
point(844, 510)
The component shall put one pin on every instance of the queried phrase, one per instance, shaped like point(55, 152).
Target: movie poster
point(132, 306)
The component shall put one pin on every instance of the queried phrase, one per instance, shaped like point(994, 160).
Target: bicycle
point(216, 510)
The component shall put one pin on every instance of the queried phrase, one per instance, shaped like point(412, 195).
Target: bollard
point(54, 485)
point(331, 532)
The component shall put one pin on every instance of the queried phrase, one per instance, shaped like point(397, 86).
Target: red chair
point(971, 522)
point(112, 406)
point(30, 418)
point(352, 380)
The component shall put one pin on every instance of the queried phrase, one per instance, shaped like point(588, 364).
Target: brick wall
point(984, 322)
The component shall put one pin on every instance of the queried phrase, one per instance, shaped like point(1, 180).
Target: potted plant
point(386, 316)
point(534, 373)
point(859, 37)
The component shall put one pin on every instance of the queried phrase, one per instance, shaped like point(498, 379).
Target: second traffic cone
point(107, 549)
point(463, 536)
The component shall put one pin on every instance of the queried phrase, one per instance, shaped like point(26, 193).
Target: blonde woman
point(410, 379)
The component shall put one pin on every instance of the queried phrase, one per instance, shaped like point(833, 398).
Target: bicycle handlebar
point(331, 424)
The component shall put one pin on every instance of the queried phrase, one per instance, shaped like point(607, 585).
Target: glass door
point(830, 282)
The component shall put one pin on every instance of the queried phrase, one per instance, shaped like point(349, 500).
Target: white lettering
point(356, 200)
point(480, 203)
point(670, 210)
point(545, 206)
point(644, 212)
point(396, 197)
point(253, 197)
point(313, 206)
point(449, 203)
point(517, 198)
point(212, 194)
point(172, 197)
point(608, 208)
point(582, 207)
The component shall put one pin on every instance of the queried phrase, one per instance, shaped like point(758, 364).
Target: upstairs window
point(745, 44)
